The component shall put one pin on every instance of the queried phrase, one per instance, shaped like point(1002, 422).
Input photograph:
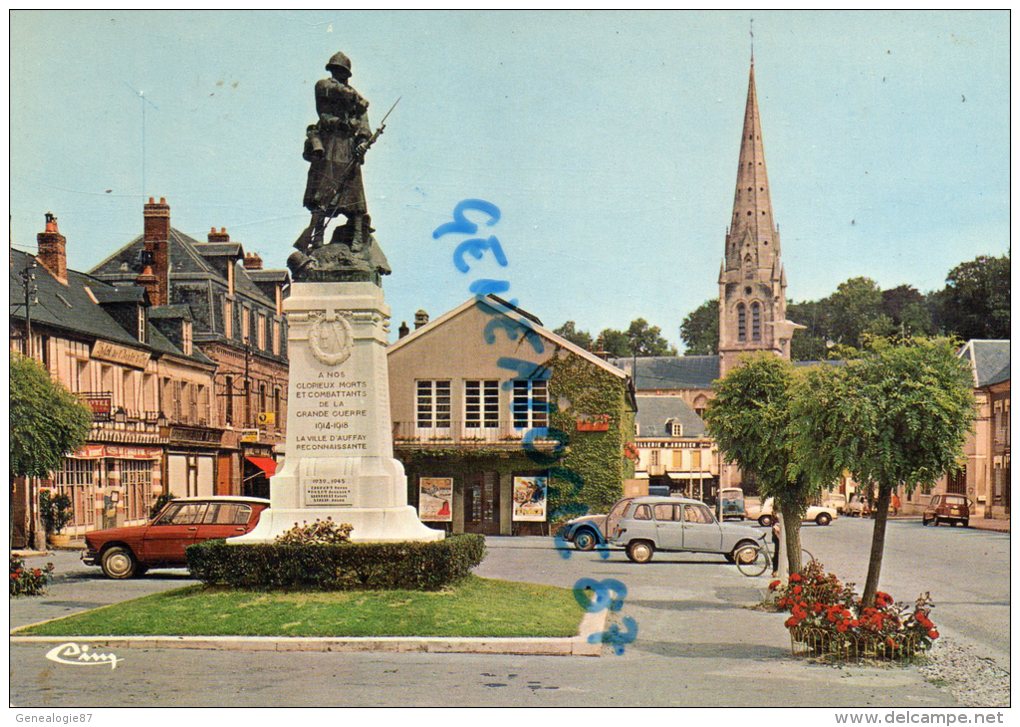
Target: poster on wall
point(435, 499)
point(529, 499)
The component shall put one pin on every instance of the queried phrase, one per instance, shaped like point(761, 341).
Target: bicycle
point(753, 560)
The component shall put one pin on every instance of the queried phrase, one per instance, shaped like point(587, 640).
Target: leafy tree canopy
point(975, 301)
point(570, 332)
point(899, 415)
point(700, 329)
point(47, 421)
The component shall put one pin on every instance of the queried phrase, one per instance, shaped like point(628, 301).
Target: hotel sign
point(120, 354)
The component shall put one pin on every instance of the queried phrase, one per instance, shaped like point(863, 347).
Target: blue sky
point(609, 142)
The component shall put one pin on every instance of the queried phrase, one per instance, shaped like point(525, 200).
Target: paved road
point(965, 570)
point(698, 643)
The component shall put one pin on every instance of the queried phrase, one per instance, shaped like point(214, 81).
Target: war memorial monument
point(339, 460)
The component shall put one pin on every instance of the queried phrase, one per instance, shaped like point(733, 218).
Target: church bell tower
point(752, 281)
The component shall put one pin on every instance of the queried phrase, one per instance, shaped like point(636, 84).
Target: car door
point(669, 534)
point(701, 532)
point(166, 539)
point(613, 518)
point(224, 520)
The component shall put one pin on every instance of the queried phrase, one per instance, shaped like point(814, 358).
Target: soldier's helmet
point(339, 60)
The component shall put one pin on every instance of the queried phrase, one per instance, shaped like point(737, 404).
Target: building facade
point(108, 345)
point(673, 448)
point(234, 309)
point(501, 424)
point(983, 475)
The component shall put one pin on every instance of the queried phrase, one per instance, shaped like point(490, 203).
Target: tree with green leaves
point(700, 329)
point(897, 416)
point(856, 309)
point(47, 421)
point(613, 342)
point(570, 332)
point(750, 420)
point(975, 301)
point(646, 340)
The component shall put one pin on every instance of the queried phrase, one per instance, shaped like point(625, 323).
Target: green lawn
point(474, 607)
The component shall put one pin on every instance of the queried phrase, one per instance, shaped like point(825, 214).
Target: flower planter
point(61, 540)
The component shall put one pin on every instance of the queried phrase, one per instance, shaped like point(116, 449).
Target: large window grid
point(741, 322)
point(136, 479)
point(77, 479)
point(481, 404)
point(433, 404)
point(530, 405)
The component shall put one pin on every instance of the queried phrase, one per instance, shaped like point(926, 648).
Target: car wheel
point(823, 518)
point(925, 521)
point(585, 540)
point(640, 551)
point(765, 520)
point(119, 562)
point(954, 523)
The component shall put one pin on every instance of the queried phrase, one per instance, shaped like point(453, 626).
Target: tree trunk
point(877, 545)
point(791, 526)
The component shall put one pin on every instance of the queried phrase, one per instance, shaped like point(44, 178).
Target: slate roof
point(170, 312)
point(988, 359)
point(655, 411)
point(671, 372)
point(998, 378)
point(187, 255)
point(71, 308)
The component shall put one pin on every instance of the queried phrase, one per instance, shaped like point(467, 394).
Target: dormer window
point(186, 340)
point(675, 429)
point(142, 324)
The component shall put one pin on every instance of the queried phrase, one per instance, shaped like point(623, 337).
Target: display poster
point(435, 499)
point(529, 499)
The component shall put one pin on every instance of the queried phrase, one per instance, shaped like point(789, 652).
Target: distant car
point(948, 508)
point(815, 514)
point(130, 551)
point(732, 499)
point(588, 531)
point(677, 524)
point(836, 501)
point(858, 506)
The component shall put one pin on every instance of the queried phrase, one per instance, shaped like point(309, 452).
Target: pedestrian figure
point(776, 529)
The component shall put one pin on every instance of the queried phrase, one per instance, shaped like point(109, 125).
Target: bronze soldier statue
point(335, 147)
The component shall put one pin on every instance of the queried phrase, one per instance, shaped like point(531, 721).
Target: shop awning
point(266, 464)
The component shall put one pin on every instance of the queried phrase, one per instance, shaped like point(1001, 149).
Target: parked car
point(836, 501)
point(948, 509)
point(588, 531)
point(814, 514)
point(732, 499)
point(674, 524)
point(130, 551)
point(858, 506)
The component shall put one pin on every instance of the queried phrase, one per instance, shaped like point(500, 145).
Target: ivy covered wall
point(589, 475)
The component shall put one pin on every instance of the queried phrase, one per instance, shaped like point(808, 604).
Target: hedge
point(348, 566)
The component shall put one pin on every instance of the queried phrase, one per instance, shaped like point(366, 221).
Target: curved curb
point(579, 645)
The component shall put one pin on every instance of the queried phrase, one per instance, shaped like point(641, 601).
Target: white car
point(815, 514)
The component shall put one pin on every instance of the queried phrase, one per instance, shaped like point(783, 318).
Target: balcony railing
point(505, 433)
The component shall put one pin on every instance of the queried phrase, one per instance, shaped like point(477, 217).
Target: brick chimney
point(221, 236)
point(53, 249)
point(420, 318)
point(157, 247)
point(252, 261)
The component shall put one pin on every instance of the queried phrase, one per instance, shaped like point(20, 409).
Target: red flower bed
point(830, 611)
point(28, 581)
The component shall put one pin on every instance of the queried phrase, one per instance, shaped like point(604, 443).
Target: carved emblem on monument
point(331, 339)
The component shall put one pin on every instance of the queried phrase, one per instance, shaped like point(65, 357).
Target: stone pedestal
point(339, 461)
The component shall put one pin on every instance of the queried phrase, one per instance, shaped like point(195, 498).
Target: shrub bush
point(817, 601)
point(55, 511)
point(29, 581)
point(332, 567)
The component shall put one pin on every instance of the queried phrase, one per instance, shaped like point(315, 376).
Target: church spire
point(752, 284)
point(752, 220)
